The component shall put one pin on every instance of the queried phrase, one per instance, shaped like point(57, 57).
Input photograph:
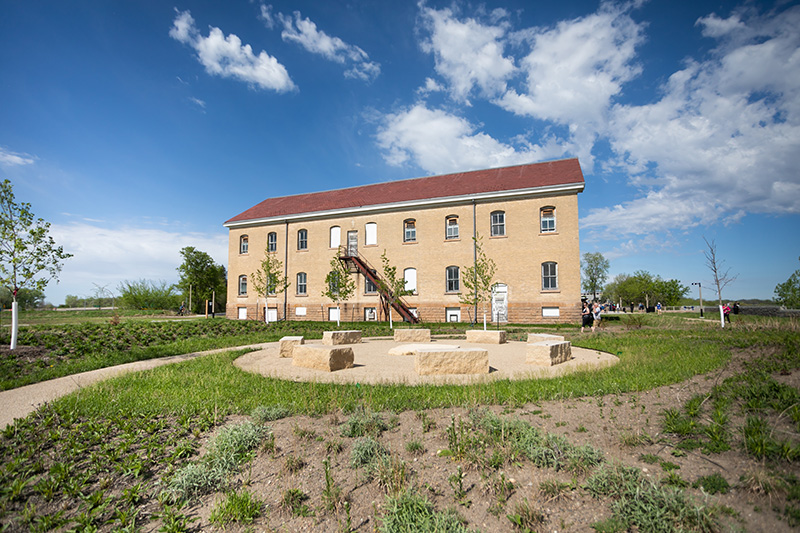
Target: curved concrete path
point(22, 401)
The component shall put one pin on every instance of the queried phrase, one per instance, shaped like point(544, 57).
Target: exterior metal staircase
point(357, 264)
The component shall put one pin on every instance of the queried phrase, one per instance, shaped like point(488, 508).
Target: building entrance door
point(500, 303)
point(352, 243)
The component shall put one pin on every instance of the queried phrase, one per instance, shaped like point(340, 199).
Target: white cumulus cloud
point(227, 57)
point(13, 159)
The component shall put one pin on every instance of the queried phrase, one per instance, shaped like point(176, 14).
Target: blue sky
point(138, 128)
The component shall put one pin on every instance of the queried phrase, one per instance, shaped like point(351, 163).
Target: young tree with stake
point(29, 257)
point(269, 280)
point(392, 288)
point(478, 280)
point(340, 286)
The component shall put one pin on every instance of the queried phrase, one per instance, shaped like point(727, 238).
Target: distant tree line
point(643, 287)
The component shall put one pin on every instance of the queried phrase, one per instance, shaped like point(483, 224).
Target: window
point(302, 279)
point(451, 227)
point(550, 312)
point(336, 236)
point(302, 239)
point(410, 276)
point(409, 230)
point(370, 314)
point(549, 276)
point(498, 223)
point(371, 234)
point(547, 217)
point(242, 285)
point(369, 286)
point(243, 244)
point(272, 242)
point(452, 279)
point(333, 282)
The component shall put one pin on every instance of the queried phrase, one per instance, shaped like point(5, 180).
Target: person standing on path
point(596, 311)
point(586, 316)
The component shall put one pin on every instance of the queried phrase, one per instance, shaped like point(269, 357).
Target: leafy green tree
point(392, 288)
point(642, 286)
point(203, 277)
point(339, 285)
point(478, 279)
point(269, 279)
point(29, 257)
point(787, 293)
point(595, 272)
point(147, 294)
point(670, 292)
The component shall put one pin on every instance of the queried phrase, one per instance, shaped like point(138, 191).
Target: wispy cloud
point(13, 159)
point(304, 32)
point(227, 57)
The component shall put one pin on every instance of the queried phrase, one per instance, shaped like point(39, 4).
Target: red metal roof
point(548, 174)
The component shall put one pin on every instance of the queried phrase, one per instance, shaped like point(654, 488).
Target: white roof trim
point(426, 202)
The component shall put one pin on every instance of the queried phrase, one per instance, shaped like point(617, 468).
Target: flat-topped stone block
point(323, 358)
point(430, 361)
point(412, 335)
point(548, 353)
point(287, 345)
point(489, 336)
point(411, 349)
point(332, 338)
point(541, 337)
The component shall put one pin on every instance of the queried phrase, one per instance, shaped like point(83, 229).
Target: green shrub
point(242, 507)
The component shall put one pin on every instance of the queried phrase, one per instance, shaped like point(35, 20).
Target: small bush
point(713, 484)
point(366, 451)
point(364, 423)
point(240, 507)
point(410, 511)
point(269, 413)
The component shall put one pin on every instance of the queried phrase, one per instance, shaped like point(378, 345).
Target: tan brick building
point(526, 217)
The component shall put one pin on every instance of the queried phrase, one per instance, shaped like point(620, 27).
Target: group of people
point(590, 315)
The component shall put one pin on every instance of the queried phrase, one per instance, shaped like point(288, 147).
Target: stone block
point(548, 353)
point(541, 337)
point(412, 335)
point(288, 343)
point(430, 361)
point(489, 336)
point(411, 349)
point(332, 338)
point(322, 357)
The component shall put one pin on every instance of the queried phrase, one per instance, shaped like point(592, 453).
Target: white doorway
point(272, 314)
point(500, 303)
point(352, 243)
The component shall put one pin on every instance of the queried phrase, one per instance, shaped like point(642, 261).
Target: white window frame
point(242, 285)
point(244, 244)
point(335, 236)
point(547, 224)
point(302, 286)
point(452, 283)
point(451, 227)
point(370, 314)
point(371, 234)
point(272, 242)
point(302, 239)
point(497, 220)
point(410, 278)
point(549, 275)
point(409, 230)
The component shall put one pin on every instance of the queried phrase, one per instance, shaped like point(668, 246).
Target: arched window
point(371, 234)
point(301, 283)
point(453, 284)
point(242, 285)
point(549, 276)
point(547, 219)
point(336, 236)
point(498, 223)
point(409, 230)
point(272, 242)
point(302, 239)
point(410, 277)
point(451, 227)
point(243, 244)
